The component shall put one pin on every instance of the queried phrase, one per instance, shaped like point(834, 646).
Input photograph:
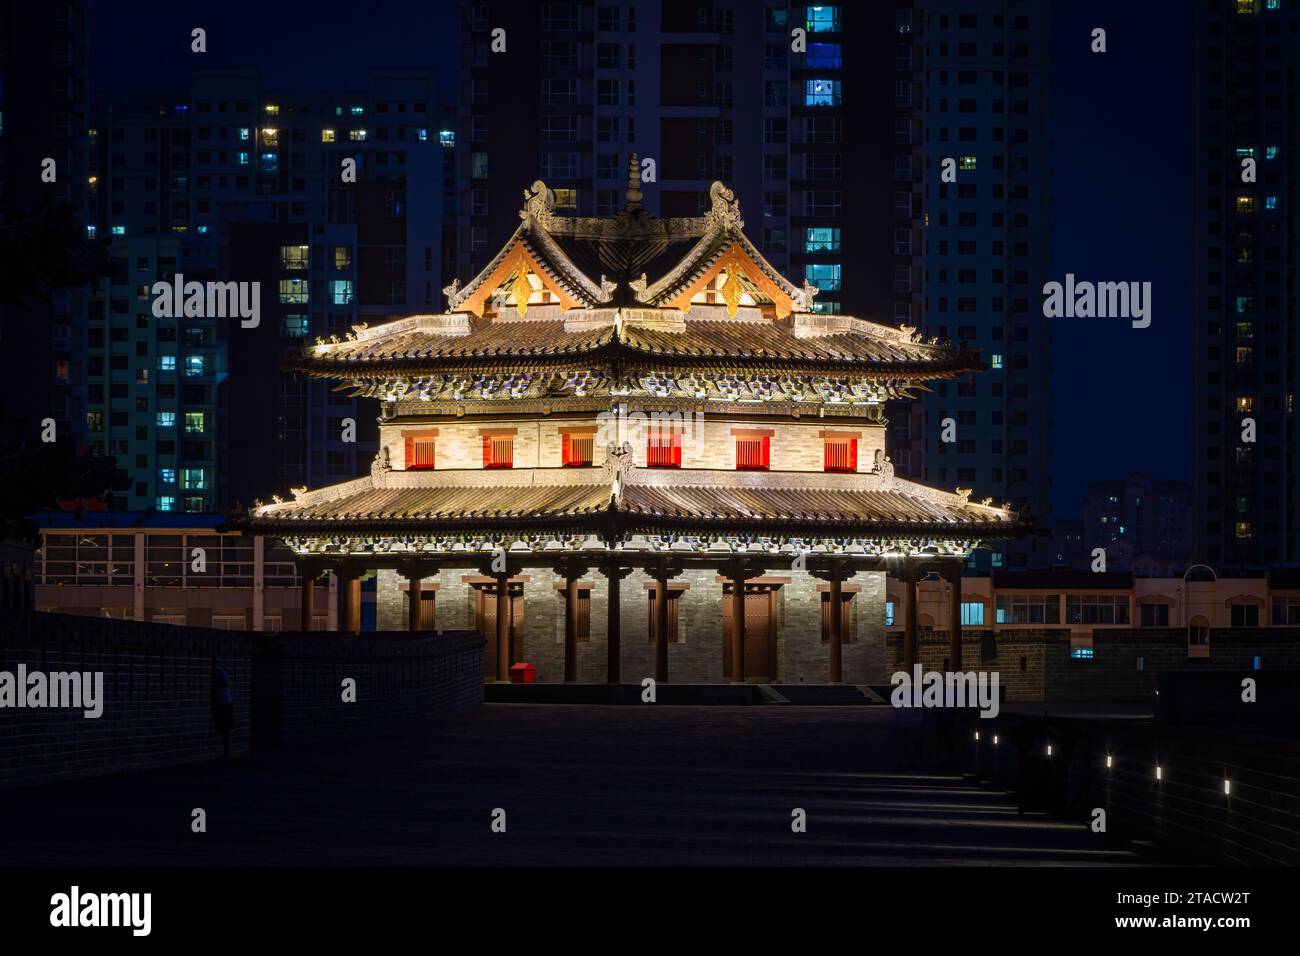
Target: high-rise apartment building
point(1244, 440)
point(987, 233)
point(227, 182)
point(43, 107)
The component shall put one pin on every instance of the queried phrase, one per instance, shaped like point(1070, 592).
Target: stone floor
point(648, 785)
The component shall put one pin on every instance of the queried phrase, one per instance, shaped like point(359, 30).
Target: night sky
point(1122, 188)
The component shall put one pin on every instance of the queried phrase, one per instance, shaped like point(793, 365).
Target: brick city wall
point(157, 691)
point(1035, 665)
point(696, 657)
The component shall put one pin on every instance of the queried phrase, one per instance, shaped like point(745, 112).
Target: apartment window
point(1245, 204)
point(753, 452)
point(196, 422)
point(821, 92)
point(327, 136)
point(1096, 609)
point(167, 363)
point(341, 291)
point(824, 275)
point(165, 503)
point(499, 449)
point(1153, 615)
point(293, 326)
point(193, 479)
point(342, 257)
point(293, 257)
point(1026, 608)
point(1244, 615)
point(823, 19)
point(1286, 610)
point(972, 613)
point(823, 56)
point(577, 448)
point(664, 447)
point(293, 291)
point(357, 135)
point(419, 452)
point(566, 199)
point(196, 365)
point(166, 419)
point(840, 453)
point(821, 202)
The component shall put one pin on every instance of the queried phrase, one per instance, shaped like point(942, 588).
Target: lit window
point(1245, 403)
point(664, 447)
point(272, 109)
point(196, 422)
point(293, 257)
point(167, 476)
point(293, 326)
point(1245, 355)
point(196, 365)
point(423, 135)
point(566, 199)
point(753, 452)
point(577, 449)
point(1245, 204)
point(498, 451)
point(357, 135)
point(447, 137)
point(841, 453)
point(358, 110)
point(242, 158)
point(202, 230)
point(342, 257)
point(166, 503)
point(822, 93)
point(1270, 202)
point(419, 452)
point(824, 275)
point(1243, 529)
point(341, 291)
point(245, 133)
point(821, 239)
point(167, 363)
point(270, 136)
point(889, 614)
point(166, 419)
point(118, 230)
point(193, 479)
point(823, 56)
point(1245, 152)
point(327, 136)
point(995, 360)
point(1246, 6)
point(1270, 152)
point(293, 291)
point(972, 613)
point(967, 162)
point(1081, 653)
point(825, 19)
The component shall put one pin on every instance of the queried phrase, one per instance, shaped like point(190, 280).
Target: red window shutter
point(853, 454)
point(677, 448)
point(487, 450)
point(566, 450)
point(410, 452)
point(767, 452)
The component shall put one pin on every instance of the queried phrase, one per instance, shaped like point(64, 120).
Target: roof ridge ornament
point(803, 298)
point(539, 203)
point(724, 212)
point(634, 194)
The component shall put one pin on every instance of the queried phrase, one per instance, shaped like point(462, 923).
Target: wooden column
point(661, 629)
point(613, 623)
point(911, 651)
point(349, 599)
point(309, 573)
point(503, 627)
point(570, 627)
point(954, 619)
point(737, 626)
point(414, 579)
point(836, 641)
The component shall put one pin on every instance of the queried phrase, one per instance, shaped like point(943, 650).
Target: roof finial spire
point(634, 195)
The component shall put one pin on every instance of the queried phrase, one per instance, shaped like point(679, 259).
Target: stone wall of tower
point(709, 441)
point(802, 655)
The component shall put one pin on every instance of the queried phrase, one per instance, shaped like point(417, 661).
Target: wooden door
point(760, 632)
point(485, 621)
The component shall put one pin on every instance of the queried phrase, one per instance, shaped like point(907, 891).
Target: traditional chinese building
point(631, 448)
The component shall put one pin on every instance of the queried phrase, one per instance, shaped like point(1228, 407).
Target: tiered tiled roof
point(621, 498)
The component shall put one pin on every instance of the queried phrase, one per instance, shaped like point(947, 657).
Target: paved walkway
point(630, 785)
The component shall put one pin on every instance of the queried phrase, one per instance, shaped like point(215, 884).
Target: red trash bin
point(522, 673)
